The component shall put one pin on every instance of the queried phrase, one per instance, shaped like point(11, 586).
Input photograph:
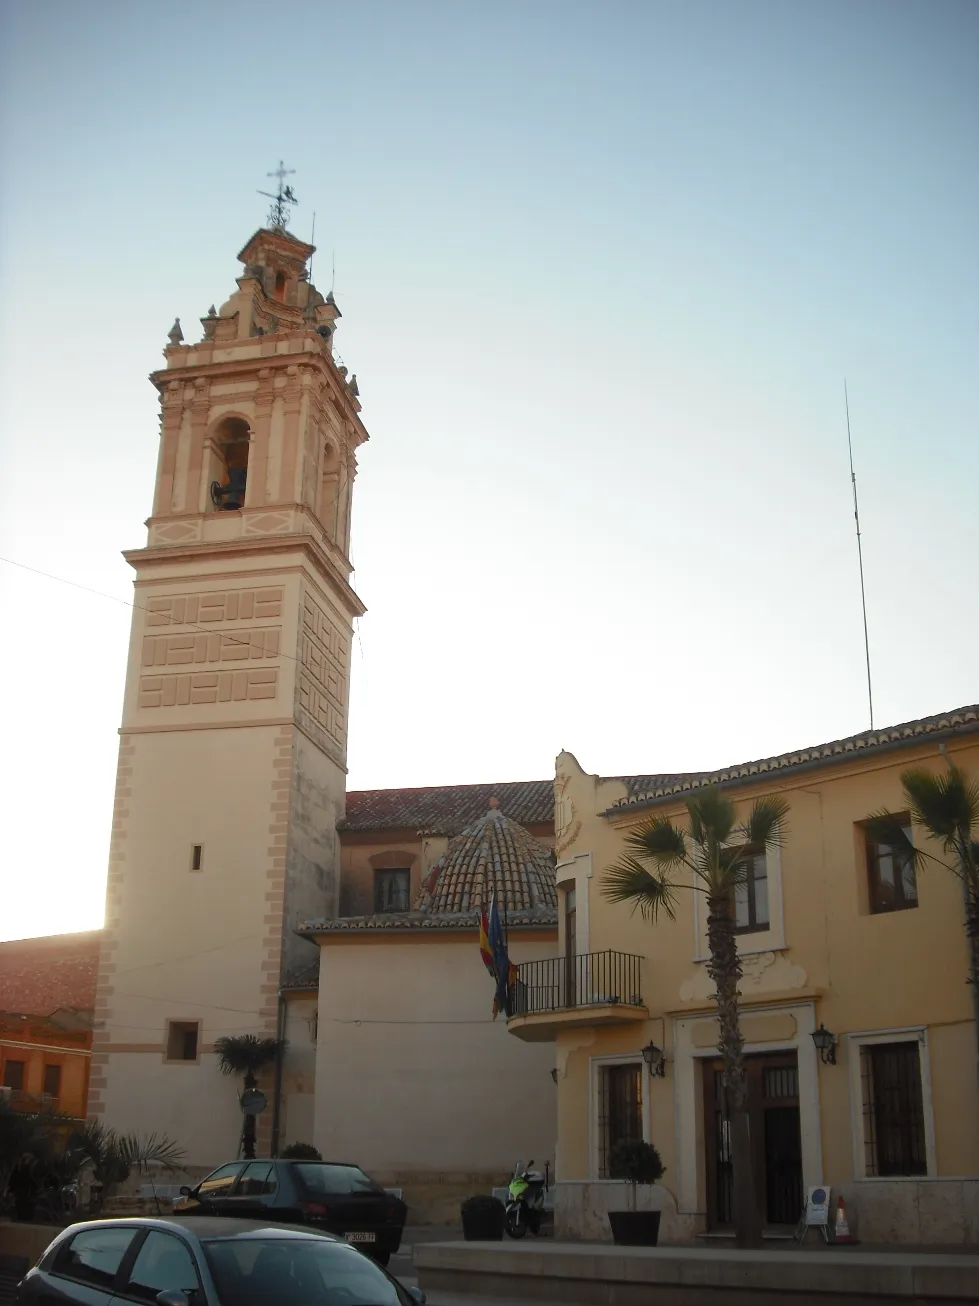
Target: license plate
point(359, 1237)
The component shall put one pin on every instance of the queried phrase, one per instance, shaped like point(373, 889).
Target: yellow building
point(830, 936)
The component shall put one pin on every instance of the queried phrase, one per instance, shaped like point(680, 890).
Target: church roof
point(447, 809)
point(492, 855)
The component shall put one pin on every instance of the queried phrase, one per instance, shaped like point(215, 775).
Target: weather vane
point(278, 213)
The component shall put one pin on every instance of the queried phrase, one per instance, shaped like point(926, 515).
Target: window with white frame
point(893, 1112)
point(893, 1125)
point(619, 1109)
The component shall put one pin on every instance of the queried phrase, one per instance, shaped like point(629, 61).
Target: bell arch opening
point(329, 488)
point(229, 464)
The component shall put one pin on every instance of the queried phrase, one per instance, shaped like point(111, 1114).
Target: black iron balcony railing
point(591, 979)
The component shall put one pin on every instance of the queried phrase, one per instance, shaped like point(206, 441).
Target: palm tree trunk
point(248, 1124)
point(972, 934)
point(724, 969)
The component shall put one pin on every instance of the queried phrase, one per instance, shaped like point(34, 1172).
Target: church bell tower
point(231, 772)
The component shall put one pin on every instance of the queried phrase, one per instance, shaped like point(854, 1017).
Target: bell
point(232, 495)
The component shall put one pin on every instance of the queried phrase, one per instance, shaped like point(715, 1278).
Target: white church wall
point(412, 1072)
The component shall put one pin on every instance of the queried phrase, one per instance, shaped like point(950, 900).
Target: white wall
point(412, 1073)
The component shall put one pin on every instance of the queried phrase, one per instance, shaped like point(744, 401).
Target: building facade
point(47, 1000)
point(832, 934)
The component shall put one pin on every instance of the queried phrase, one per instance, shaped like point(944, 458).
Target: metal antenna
point(856, 518)
point(333, 272)
point(278, 213)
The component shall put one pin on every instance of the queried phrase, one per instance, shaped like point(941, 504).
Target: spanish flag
point(484, 944)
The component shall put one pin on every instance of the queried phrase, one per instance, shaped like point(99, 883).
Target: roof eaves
point(890, 738)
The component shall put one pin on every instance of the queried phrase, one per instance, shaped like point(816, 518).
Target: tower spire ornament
point(278, 214)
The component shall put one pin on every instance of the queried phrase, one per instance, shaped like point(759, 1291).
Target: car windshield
point(321, 1177)
point(296, 1272)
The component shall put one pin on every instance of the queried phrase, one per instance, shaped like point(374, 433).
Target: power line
point(138, 607)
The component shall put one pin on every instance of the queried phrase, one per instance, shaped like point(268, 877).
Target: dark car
point(329, 1195)
point(204, 1261)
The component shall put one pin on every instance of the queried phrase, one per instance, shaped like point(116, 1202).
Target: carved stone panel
point(207, 687)
point(212, 606)
point(322, 682)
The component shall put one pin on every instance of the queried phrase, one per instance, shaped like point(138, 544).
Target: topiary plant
point(636, 1161)
point(301, 1152)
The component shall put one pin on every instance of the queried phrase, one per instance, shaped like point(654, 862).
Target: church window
point(183, 1040)
point(392, 890)
point(229, 464)
point(280, 285)
point(196, 856)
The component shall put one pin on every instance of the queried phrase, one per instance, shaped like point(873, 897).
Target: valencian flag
point(493, 950)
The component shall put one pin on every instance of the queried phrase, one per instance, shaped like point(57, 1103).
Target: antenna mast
point(856, 518)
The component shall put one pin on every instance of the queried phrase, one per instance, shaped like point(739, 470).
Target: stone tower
point(233, 739)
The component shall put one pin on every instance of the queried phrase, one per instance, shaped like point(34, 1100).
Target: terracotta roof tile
point(647, 790)
point(447, 809)
point(40, 976)
point(493, 854)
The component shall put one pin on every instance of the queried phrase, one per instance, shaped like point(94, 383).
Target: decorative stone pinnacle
point(175, 335)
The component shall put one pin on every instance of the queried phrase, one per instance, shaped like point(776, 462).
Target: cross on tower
point(278, 213)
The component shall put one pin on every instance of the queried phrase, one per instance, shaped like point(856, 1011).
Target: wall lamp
point(655, 1059)
point(825, 1045)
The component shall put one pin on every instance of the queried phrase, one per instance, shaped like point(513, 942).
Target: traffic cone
point(841, 1230)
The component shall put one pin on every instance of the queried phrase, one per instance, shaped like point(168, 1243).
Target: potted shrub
point(639, 1163)
point(301, 1152)
point(483, 1218)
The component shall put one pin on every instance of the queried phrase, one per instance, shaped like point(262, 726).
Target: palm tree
point(946, 807)
point(247, 1055)
point(649, 875)
point(113, 1156)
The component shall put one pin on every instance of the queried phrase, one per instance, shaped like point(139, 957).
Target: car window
point(321, 1177)
point(95, 1255)
point(221, 1182)
point(258, 1180)
point(163, 1262)
point(296, 1272)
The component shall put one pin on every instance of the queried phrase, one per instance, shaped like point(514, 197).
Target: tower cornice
point(264, 546)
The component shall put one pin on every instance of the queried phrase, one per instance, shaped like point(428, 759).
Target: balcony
point(595, 988)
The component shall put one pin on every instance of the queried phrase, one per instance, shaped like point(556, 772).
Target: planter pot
point(484, 1226)
point(635, 1228)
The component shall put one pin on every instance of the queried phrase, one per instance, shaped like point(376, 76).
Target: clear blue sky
point(603, 268)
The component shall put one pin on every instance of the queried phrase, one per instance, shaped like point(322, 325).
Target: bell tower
point(231, 773)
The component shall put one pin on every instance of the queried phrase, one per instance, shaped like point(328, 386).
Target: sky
point(603, 269)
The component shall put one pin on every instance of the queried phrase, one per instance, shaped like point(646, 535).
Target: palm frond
point(711, 815)
point(947, 804)
point(245, 1054)
point(659, 840)
point(766, 823)
point(143, 1150)
point(629, 881)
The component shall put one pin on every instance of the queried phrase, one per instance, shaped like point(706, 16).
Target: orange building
point(47, 999)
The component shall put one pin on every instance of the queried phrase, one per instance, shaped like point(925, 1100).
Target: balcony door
point(570, 947)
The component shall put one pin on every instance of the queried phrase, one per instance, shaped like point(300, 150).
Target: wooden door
point(773, 1116)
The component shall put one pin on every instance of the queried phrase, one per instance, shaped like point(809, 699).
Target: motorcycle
point(525, 1202)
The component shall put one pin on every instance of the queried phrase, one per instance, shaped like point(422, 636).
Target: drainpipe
point(280, 1032)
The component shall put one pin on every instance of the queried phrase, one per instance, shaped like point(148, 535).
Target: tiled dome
point(492, 853)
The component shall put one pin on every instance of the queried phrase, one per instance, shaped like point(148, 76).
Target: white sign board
point(817, 1207)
